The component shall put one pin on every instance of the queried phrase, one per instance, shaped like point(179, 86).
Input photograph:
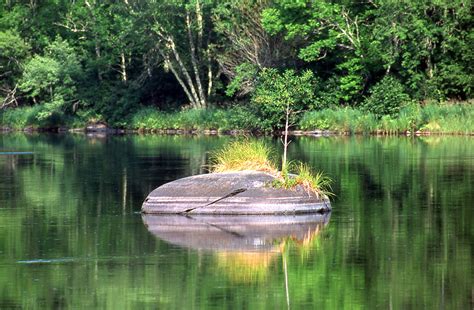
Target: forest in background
point(172, 63)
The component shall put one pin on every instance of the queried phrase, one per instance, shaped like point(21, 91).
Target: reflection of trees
point(407, 200)
point(408, 246)
point(70, 177)
point(80, 182)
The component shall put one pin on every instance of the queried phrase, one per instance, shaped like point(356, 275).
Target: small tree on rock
point(280, 97)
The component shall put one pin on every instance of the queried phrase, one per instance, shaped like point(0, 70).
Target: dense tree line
point(107, 59)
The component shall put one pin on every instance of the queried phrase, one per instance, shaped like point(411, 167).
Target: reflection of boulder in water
point(234, 233)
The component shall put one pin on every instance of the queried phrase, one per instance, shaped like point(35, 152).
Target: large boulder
point(243, 192)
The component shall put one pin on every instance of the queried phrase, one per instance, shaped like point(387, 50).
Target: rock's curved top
point(243, 192)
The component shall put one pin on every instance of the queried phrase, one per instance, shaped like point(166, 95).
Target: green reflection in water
point(400, 236)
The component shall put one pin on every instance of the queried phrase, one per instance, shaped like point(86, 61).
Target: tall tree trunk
point(97, 54)
point(191, 98)
point(123, 67)
point(185, 72)
point(96, 39)
point(209, 72)
point(285, 140)
point(192, 47)
point(193, 83)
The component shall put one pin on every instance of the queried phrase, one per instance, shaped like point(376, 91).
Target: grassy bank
point(27, 118)
point(434, 118)
point(235, 118)
point(146, 119)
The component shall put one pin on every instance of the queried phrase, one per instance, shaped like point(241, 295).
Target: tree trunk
point(96, 39)
point(123, 67)
point(185, 72)
point(192, 47)
point(193, 83)
point(191, 98)
point(285, 142)
point(209, 73)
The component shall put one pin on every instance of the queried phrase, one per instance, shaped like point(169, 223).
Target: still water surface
point(401, 234)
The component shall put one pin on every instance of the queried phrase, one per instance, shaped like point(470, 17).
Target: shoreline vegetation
point(432, 118)
point(232, 66)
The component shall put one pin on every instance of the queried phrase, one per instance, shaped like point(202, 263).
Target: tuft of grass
point(256, 155)
point(243, 155)
point(300, 174)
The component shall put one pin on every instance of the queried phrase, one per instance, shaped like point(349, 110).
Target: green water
point(401, 234)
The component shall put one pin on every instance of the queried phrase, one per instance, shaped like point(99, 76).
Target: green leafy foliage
point(13, 50)
point(112, 58)
point(387, 97)
point(276, 91)
point(244, 80)
point(51, 78)
point(41, 74)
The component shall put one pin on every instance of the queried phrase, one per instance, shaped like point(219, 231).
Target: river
point(401, 234)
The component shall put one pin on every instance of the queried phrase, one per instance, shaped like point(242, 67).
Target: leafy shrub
point(276, 91)
point(51, 79)
point(328, 94)
point(23, 117)
point(244, 80)
point(387, 97)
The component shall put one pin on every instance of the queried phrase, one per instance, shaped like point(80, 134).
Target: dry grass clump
point(317, 182)
point(255, 155)
point(243, 155)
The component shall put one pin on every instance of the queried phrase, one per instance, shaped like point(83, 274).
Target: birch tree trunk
point(285, 139)
point(193, 71)
point(123, 67)
point(96, 38)
point(192, 48)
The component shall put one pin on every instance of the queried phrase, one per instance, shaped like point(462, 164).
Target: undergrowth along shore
point(247, 154)
point(430, 118)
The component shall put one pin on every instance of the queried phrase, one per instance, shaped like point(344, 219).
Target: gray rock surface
point(243, 192)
